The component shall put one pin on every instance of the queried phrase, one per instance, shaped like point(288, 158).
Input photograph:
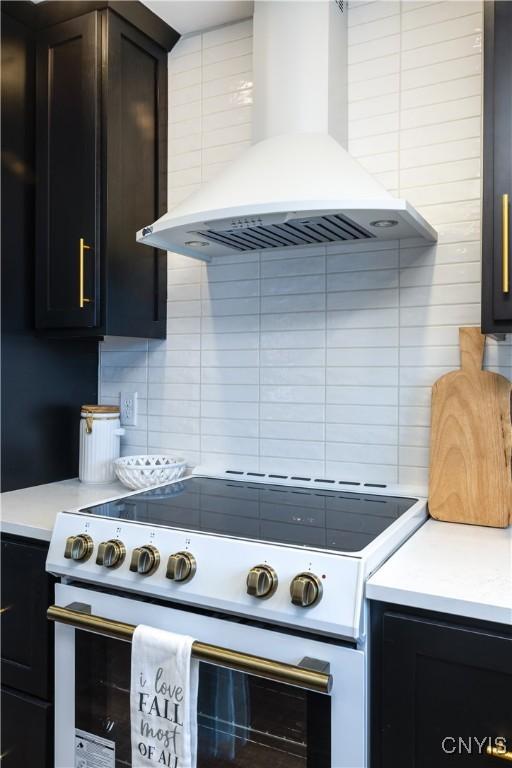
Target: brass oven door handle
point(499, 753)
point(83, 247)
point(304, 677)
point(505, 243)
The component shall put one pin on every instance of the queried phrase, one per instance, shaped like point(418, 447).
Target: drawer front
point(27, 731)
point(27, 657)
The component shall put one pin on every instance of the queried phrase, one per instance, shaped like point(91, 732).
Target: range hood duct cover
point(296, 185)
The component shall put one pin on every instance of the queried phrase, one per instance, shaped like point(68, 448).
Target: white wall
point(321, 361)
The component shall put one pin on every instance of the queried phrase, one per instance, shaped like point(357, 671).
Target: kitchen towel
point(163, 699)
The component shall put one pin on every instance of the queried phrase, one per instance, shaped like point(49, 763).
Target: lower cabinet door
point(27, 731)
point(446, 695)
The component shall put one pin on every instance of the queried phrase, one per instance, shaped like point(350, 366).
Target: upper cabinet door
point(497, 187)
point(67, 233)
point(135, 177)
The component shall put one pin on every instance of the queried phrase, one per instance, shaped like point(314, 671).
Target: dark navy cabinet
point(497, 169)
point(440, 690)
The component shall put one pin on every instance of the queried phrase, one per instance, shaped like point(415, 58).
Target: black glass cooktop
point(305, 517)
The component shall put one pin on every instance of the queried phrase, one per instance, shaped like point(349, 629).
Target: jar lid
point(100, 409)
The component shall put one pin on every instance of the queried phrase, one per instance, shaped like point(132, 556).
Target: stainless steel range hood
point(296, 185)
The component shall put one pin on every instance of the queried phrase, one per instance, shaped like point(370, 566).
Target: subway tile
point(229, 444)
point(292, 375)
point(361, 414)
point(363, 472)
point(230, 427)
point(292, 357)
point(440, 274)
point(364, 337)
point(350, 375)
point(222, 69)
point(365, 454)
point(292, 394)
point(225, 34)
point(435, 74)
point(359, 395)
point(444, 51)
point(372, 357)
point(454, 130)
point(231, 83)
point(226, 119)
point(178, 376)
point(292, 430)
point(458, 314)
point(414, 17)
point(373, 68)
point(211, 358)
point(236, 393)
point(293, 321)
point(224, 375)
point(310, 302)
point(229, 410)
point(292, 449)
point(364, 434)
point(381, 47)
point(176, 424)
point(292, 339)
point(438, 31)
point(441, 92)
point(228, 50)
point(440, 154)
point(228, 327)
point(294, 412)
point(367, 13)
point(440, 173)
point(304, 284)
point(226, 290)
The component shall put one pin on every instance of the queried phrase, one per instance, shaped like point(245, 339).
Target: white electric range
point(267, 572)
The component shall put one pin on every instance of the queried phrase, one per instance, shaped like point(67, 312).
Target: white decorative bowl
point(138, 472)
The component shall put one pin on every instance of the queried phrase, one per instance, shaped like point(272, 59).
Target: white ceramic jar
point(100, 437)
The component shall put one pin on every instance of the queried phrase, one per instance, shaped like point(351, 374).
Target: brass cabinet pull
point(5, 609)
point(83, 247)
point(499, 753)
point(302, 677)
point(504, 244)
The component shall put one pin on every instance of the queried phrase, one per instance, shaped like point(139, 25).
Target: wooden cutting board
point(471, 441)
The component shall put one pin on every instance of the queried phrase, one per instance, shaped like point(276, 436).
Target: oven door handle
point(305, 677)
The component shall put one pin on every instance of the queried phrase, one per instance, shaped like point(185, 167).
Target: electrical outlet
point(128, 405)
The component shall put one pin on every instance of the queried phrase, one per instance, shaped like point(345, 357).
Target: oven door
point(244, 720)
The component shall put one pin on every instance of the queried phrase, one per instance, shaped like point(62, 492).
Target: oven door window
point(243, 721)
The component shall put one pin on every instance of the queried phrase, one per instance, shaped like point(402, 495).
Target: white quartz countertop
point(464, 570)
point(31, 512)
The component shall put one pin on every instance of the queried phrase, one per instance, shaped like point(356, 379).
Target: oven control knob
point(79, 547)
point(145, 560)
point(306, 590)
point(181, 566)
point(261, 581)
point(111, 553)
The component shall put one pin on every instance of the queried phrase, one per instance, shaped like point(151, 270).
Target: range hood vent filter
point(298, 232)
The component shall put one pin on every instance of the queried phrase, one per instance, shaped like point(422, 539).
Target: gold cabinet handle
point(499, 753)
point(504, 243)
point(83, 247)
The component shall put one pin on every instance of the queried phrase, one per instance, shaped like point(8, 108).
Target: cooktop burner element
point(332, 520)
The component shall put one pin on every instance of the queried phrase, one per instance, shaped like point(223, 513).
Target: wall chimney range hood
point(296, 185)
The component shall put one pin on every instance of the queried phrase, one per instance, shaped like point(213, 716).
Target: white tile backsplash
point(321, 360)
